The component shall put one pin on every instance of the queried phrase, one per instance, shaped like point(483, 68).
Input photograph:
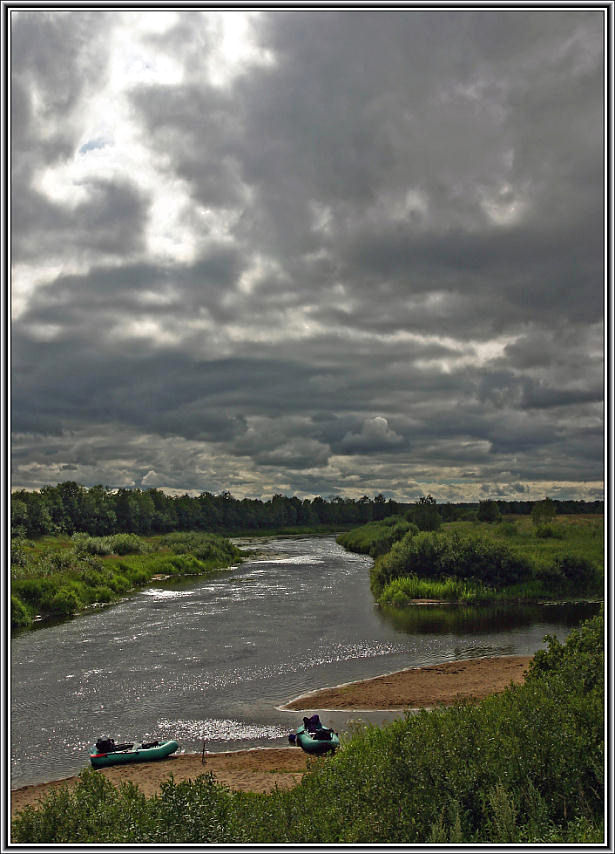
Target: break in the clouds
point(310, 252)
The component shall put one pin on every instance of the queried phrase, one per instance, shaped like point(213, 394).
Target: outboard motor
point(105, 745)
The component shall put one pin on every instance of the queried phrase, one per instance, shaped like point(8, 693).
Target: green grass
point(525, 766)
point(402, 590)
point(512, 559)
point(376, 538)
point(58, 577)
point(579, 536)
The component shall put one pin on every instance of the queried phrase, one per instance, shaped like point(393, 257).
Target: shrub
point(548, 530)
point(543, 512)
point(127, 544)
point(118, 544)
point(421, 554)
point(19, 556)
point(376, 538)
point(426, 517)
point(20, 618)
point(432, 555)
point(64, 603)
point(488, 511)
point(507, 529)
point(579, 572)
point(34, 591)
point(102, 594)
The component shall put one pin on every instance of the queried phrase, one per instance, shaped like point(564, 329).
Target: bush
point(547, 531)
point(376, 538)
point(579, 572)
point(488, 511)
point(507, 529)
point(103, 594)
point(206, 547)
point(20, 618)
point(422, 554)
point(64, 603)
point(426, 517)
point(33, 591)
point(543, 512)
point(118, 544)
point(436, 556)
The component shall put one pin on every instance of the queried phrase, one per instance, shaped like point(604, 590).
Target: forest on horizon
point(70, 507)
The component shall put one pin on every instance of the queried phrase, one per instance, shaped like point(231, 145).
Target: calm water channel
point(214, 658)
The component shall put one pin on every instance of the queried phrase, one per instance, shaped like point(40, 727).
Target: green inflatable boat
point(106, 752)
point(315, 738)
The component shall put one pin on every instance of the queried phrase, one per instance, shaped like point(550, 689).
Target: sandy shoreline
point(420, 687)
point(261, 769)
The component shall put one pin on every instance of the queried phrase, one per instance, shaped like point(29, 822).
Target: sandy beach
point(420, 687)
point(261, 769)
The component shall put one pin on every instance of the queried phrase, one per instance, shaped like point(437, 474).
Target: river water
point(213, 659)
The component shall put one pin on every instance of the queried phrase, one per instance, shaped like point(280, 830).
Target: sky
point(309, 252)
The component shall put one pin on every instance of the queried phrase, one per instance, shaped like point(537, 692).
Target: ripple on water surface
point(221, 730)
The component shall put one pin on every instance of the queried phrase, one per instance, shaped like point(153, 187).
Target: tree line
point(69, 507)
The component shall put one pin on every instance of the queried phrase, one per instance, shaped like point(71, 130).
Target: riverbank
point(420, 687)
point(260, 770)
point(257, 770)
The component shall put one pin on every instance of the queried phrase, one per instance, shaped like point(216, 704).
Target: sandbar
point(420, 687)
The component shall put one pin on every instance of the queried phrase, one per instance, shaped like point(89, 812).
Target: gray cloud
point(369, 259)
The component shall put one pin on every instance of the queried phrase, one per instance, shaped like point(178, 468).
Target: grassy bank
point(56, 577)
point(525, 766)
point(478, 561)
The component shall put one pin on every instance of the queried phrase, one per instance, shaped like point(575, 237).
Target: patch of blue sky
point(91, 144)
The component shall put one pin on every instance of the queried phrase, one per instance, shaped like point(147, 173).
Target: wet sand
point(261, 769)
point(420, 687)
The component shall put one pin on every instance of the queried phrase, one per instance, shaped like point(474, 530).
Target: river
point(213, 658)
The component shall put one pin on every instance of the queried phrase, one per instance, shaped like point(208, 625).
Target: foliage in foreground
point(525, 766)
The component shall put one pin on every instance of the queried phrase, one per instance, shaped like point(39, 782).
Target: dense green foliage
point(439, 556)
point(525, 766)
point(511, 559)
point(58, 578)
point(376, 538)
point(425, 514)
point(488, 511)
point(99, 511)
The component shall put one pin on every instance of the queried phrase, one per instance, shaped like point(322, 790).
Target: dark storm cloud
point(393, 274)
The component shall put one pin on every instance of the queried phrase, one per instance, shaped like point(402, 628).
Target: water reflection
point(483, 619)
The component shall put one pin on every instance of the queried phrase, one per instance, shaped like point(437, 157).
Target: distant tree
point(488, 511)
point(425, 514)
point(543, 512)
point(380, 508)
point(19, 517)
point(39, 519)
